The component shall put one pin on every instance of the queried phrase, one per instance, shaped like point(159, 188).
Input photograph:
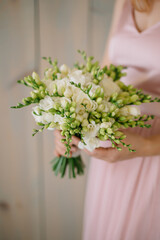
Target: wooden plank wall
point(34, 204)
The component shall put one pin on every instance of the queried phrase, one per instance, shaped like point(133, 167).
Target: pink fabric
point(123, 199)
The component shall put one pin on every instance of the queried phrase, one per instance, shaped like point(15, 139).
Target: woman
point(123, 190)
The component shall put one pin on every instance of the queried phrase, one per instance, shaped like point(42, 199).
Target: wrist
point(152, 148)
point(148, 150)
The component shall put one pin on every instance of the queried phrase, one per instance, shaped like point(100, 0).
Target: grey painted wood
point(34, 204)
point(19, 172)
point(100, 16)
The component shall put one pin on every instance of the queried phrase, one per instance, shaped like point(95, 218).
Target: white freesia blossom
point(46, 103)
point(70, 90)
point(64, 69)
point(61, 85)
point(43, 118)
point(91, 144)
point(58, 119)
point(94, 88)
point(90, 137)
point(82, 98)
point(109, 86)
point(129, 110)
point(36, 114)
point(135, 111)
point(64, 101)
point(47, 82)
point(47, 117)
point(77, 76)
point(79, 117)
point(48, 73)
point(36, 77)
point(105, 125)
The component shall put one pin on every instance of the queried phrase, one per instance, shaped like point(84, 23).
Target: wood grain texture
point(19, 175)
point(100, 16)
point(34, 204)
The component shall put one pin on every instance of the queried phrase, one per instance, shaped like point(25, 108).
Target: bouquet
point(86, 101)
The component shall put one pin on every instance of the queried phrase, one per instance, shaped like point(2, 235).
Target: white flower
point(70, 90)
point(94, 88)
point(58, 119)
point(77, 76)
point(48, 73)
point(46, 103)
point(47, 117)
point(64, 69)
point(36, 114)
point(109, 86)
point(81, 98)
point(79, 117)
point(107, 105)
point(47, 82)
point(43, 118)
point(135, 111)
point(91, 144)
point(61, 85)
point(64, 101)
point(105, 125)
point(36, 77)
point(129, 110)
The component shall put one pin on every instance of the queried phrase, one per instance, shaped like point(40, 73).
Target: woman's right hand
point(60, 148)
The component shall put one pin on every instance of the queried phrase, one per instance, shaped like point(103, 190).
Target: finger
point(60, 150)
point(58, 142)
point(57, 134)
point(75, 140)
point(55, 153)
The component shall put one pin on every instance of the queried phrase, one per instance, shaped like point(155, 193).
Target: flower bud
point(64, 69)
point(73, 104)
point(67, 114)
point(134, 98)
point(35, 76)
point(97, 121)
point(138, 103)
point(98, 91)
point(72, 109)
point(56, 106)
point(73, 115)
point(85, 122)
point(33, 95)
point(79, 117)
point(101, 107)
point(54, 88)
point(109, 130)
point(72, 132)
point(52, 125)
point(64, 126)
point(102, 131)
point(99, 100)
point(84, 129)
point(95, 81)
point(42, 94)
point(73, 125)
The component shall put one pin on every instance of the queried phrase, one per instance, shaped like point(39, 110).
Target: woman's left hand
point(139, 143)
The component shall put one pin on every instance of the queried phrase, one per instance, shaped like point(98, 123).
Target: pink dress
point(123, 199)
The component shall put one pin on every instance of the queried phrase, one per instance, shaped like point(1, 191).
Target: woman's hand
point(112, 155)
point(60, 149)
